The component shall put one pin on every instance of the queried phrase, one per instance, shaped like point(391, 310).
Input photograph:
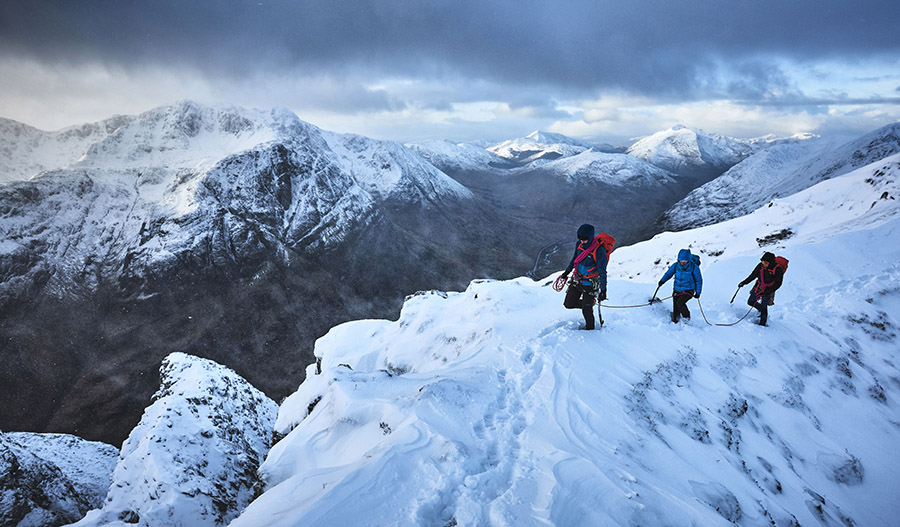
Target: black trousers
point(761, 303)
point(582, 297)
point(679, 305)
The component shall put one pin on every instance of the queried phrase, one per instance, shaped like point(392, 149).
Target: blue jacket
point(687, 277)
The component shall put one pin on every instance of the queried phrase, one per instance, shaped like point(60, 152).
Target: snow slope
point(780, 170)
point(51, 479)
point(191, 461)
point(487, 407)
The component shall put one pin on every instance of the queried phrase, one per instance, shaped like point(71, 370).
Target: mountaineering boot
point(675, 317)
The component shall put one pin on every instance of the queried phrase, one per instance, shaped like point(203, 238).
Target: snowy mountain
point(539, 146)
point(451, 157)
point(261, 229)
point(613, 169)
point(51, 479)
point(192, 460)
point(26, 151)
point(620, 194)
point(486, 407)
point(691, 152)
point(777, 171)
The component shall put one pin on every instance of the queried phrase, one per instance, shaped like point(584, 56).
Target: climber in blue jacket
point(688, 283)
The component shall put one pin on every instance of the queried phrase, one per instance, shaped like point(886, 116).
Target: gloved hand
point(741, 284)
point(565, 275)
point(660, 283)
point(602, 296)
point(697, 295)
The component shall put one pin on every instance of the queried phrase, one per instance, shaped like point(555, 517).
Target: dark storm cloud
point(674, 49)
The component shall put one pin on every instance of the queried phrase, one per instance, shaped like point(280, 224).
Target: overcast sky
point(465, 69)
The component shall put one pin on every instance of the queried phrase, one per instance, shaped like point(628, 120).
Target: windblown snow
point(488, 407)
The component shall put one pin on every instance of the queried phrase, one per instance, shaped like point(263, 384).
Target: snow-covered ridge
point(184, 178)
point(26, 151)
point(681, 150)
point(614, 169)
point(449, 155)
point(192, 459)
point(778, 171)
point(539, 146)
point(486, 407)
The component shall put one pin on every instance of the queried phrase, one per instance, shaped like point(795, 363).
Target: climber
point(688, 283)
point(768, 273)
point(588, 284)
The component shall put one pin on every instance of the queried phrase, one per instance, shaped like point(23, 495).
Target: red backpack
point(601, 240)
point(781, 261)
point(608, 242)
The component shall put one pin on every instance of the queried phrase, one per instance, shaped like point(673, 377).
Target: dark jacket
point(687, 277)
point(768, 279)
point(593, 266)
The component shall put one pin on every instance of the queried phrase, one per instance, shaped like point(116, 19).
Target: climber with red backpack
point(588, 284)
point(768, 273)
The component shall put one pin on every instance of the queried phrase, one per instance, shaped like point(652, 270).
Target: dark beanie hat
point(768, 257)
point(586, 232)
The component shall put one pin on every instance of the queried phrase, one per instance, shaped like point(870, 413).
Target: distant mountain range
point(779, 170)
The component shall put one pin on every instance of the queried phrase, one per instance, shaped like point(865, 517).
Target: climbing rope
point(560, 284)
point(719, 324)
point(655, 300)
point(711, 324)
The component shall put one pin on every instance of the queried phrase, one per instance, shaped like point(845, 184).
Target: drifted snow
point(191, 460)
point(488, 407)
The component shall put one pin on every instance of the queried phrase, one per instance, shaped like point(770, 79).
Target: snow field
point(488, 407)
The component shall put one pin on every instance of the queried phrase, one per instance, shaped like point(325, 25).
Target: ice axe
point(653, 298)
point(735, 294)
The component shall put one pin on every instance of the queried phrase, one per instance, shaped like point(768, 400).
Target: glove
point(660, 283)
point(697, 296)
point(741, 284)
point(602, 296)
point(565, 275)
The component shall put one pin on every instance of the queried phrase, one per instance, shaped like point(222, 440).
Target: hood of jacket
point(586, 232)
